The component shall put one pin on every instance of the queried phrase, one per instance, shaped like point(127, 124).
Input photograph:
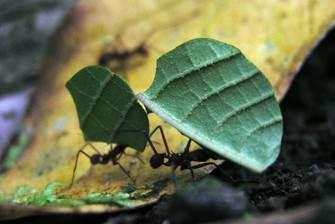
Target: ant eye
point(156, 160)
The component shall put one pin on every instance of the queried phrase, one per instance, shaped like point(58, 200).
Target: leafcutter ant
point(182, 160)
point(113, 155)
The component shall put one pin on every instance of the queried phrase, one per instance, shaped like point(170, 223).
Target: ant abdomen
point(157, 160)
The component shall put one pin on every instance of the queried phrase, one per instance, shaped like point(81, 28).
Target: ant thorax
point(179, 159)
point(99, 159)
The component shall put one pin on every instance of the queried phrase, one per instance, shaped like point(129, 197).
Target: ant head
point(157, 160)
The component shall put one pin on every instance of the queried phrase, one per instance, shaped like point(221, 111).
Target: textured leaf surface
point(210, 92)
point(107, 108)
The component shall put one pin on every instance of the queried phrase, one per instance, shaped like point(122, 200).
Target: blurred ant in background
point(119, 60)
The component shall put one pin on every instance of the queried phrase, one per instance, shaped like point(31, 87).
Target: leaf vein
point(265, 125)
point(190, 71)
point(96, 98)
point(222, 88)
point(80, 91)
point(244, 107)
point(92, 75)
point(98, 122)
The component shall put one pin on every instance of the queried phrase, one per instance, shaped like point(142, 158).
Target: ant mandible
point(182, 160)
point(113, 155)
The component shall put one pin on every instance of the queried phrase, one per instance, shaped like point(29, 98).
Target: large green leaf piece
point(211, 93)
point(107, 108)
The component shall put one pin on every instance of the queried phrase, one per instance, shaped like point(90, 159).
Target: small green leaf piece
point(107, 108)
point(210, 92)
point(119, 199)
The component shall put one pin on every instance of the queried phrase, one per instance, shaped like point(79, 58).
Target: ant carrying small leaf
point(113, 155)
point(108, 112)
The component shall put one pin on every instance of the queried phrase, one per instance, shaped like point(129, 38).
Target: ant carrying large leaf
point(183, 159)
point(212, 93)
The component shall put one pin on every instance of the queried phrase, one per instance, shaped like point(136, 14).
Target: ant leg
point(159, 127)
point(152, 146)
point(204, 164)
point(199, 166)
point(173, 176)
point(192, 173)
point(187, 147)
point(186, 152)
point(155, 142)
point(119, 156)
point(124, 170)
point(81, 150)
